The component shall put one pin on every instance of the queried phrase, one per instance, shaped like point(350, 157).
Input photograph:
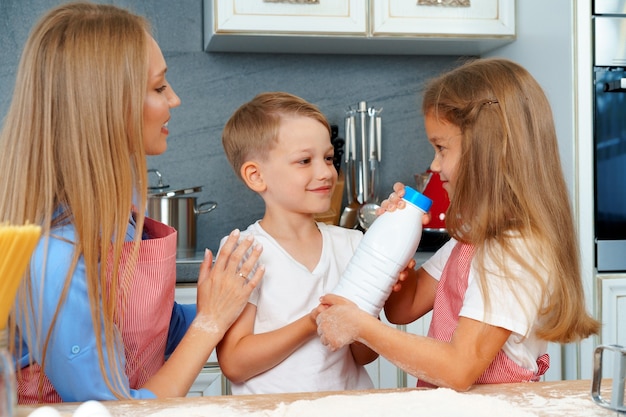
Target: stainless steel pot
point(178, 209)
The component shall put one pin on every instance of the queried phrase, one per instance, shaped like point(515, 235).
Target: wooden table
point(561, 398)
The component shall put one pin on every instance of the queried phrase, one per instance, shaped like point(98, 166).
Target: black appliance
point(609, 126)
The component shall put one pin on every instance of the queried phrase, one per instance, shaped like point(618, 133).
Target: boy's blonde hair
point(510, 183)
point(72, 142)
point(252, 130)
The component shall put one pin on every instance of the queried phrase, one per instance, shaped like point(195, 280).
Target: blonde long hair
point(510, 184)
point(72, 141)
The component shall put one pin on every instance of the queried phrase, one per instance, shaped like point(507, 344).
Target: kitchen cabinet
point(327, 17)
point(612, 288)
point(357, 27)
point(211, 380)
point(483, 18)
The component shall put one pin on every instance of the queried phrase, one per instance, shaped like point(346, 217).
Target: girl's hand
point(404, 274)
point(224, 289)
point(338, 321)
point(394, 201)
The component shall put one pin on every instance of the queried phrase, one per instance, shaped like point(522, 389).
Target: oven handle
point(616, 86)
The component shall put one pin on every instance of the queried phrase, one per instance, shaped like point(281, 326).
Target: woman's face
point(160, 98)
point(446, 139)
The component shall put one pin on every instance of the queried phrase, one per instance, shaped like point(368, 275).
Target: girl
point(508, 281)
point(95, 317)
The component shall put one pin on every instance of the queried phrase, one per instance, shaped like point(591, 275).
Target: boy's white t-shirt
point(289, 291)
point(509, 309)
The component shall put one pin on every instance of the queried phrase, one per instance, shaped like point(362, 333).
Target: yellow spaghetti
point(17, 244)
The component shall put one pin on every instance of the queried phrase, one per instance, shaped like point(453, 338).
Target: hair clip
point(490, 102)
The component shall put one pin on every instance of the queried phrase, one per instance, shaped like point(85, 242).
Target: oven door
point(609, 7)
point(610, 168)
point(609, 35)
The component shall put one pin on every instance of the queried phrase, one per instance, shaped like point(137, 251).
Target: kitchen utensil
point(433, 189)
point(367, 214)
point(422, 180)
point(362, 157)
point(348, 217)
point(178, 209)
point(434, 234)
point(371, 194)
point(616, 401)
point(363, 171)
point(333, 214)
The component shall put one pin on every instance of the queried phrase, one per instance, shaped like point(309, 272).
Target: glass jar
point(8, 396)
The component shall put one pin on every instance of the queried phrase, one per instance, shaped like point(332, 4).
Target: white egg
point(45, 411)
point(91, 409)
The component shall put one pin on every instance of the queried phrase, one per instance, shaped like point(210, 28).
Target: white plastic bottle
point(385, 250)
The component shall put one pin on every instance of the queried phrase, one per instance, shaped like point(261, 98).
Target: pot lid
point(162, 189)
point(164, 192)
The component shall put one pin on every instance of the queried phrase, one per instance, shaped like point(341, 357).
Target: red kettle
point(429, 183)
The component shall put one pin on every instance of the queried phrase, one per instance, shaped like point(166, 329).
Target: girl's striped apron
point(448, 302)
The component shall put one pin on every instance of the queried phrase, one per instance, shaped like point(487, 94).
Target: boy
point(279, 146)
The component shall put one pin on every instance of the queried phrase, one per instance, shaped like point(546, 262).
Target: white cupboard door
point(208, 383)
point(345, 17)
point(613, 313)
point(483, 18)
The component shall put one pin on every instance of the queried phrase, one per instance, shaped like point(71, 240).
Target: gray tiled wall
point(213, 85)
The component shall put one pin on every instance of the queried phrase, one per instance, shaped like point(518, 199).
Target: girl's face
point(160, 98)
point(298, 173)
point(446, 139)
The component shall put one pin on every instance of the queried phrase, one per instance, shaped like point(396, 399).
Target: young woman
point(95, 317)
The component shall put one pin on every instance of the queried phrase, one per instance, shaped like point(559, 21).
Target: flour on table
point(441, 402)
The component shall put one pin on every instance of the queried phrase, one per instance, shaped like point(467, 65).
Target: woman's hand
point(338, 321)
point(224, 289)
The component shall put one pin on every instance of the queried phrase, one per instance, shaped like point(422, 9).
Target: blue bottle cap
point(417, 199)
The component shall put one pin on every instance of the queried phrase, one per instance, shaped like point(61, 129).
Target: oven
point(609, 129)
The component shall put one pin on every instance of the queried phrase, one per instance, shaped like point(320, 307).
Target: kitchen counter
point(560, 398)
point(188, 269)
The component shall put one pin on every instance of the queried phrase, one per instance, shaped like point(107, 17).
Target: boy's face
point(298, 173)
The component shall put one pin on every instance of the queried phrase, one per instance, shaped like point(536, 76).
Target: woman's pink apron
point(448, 302)
point(147, 314)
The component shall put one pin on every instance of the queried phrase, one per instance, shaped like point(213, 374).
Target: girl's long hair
point(510, 184)
point(72, 141)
